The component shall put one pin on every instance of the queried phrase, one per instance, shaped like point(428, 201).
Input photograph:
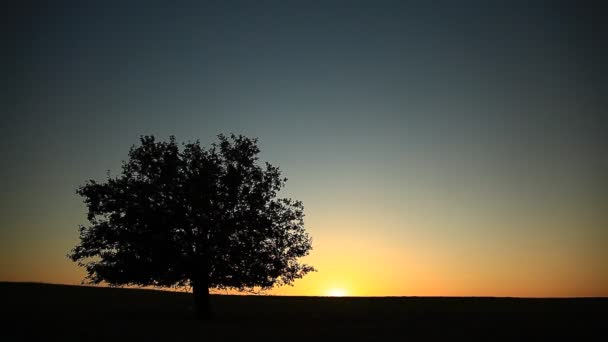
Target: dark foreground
point(88, 313)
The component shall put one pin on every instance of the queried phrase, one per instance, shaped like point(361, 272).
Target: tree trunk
point(200, 289)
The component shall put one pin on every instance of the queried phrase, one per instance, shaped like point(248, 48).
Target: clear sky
point(440, 148)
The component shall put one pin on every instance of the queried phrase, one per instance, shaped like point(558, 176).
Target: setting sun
point(336, 293)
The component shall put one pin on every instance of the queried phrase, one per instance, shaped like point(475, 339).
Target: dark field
point(89, 313)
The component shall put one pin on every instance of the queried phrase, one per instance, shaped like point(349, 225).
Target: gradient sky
point(440, 148)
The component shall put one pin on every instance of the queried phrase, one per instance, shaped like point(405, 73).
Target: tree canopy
point(184, 214)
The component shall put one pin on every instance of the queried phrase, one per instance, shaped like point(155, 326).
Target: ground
point(95, 313)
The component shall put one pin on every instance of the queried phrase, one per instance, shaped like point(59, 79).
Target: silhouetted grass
point(90, 313)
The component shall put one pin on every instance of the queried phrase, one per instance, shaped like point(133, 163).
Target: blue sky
point(452, 124)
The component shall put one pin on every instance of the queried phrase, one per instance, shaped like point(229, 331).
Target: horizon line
point(161, 289)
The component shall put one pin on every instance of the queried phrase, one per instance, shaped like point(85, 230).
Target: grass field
point(91, 313)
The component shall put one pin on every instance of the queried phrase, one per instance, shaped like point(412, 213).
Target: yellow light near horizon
point(336, 293)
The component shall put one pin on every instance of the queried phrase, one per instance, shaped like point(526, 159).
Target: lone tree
point(208, 218)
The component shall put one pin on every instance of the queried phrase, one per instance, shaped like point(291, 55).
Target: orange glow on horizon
point(354, 260)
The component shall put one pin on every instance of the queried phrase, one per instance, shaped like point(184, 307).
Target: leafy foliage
point(176, 217)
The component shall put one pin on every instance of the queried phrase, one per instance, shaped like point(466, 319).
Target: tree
point(208, 218)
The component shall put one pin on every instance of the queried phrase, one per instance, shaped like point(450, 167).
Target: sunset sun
point(336, 292)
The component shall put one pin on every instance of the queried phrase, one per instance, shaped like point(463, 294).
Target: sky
point(440, 148)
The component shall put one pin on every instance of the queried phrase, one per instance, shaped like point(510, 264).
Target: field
point(90, 313)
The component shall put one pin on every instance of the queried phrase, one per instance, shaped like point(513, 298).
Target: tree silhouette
point(208, 218)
